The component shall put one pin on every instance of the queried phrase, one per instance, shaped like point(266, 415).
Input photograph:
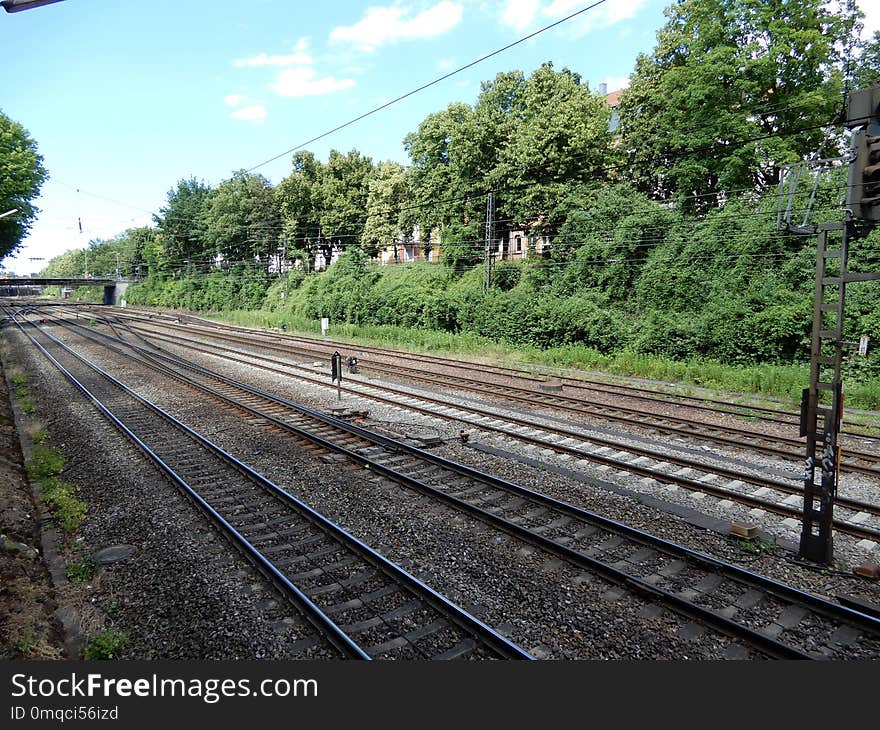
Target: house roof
point(612, 97)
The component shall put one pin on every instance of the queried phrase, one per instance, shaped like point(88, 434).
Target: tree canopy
point(21, 176)
point(733, 90)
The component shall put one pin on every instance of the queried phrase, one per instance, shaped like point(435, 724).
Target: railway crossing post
point(822, 405)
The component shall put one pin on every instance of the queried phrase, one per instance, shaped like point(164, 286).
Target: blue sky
point(126, 98)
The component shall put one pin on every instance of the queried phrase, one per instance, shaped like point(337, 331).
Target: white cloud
point(255, 113)
point(233, 99)
point(518, 14)
point(304, 82)
point(387, 25)
point(521, 14)
point(299, 57)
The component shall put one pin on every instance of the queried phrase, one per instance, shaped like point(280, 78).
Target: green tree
point(241, 220)
point(21, 176)
point(298, 200)
point(867, 70)
point(180, 225)
point(559, 136)
point(343, 188)
point(733, 90)
point(436, 186)
point(386, 197)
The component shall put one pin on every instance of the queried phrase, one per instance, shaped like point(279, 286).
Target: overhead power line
point(428, 85)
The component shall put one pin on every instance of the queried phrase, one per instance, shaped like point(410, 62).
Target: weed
point(40, 437)
point(18, 379)
point(45, 462)
point(21, 391)
point(61, 498)
point(83, 570)
point(757, 546)
point(27, 406)
point(106, 644)
point(25, 645)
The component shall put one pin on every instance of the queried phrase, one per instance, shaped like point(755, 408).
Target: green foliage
point(724, 72)
point(83, 570)
point(106, 644)
point(21, 176)
point(62, 501)
point(239, 220)
point(181, 226)
point(757, 546)
point(242, 287)
point(44, 462)
point(387, 191)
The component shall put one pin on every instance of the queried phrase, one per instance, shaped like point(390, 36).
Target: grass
point(757, 546)
point(40, 436)
point(107, 644)
point(45, 462)
point(25, 645)
point(82, 571)
point(67, 509)
point(44, 466)
point(19, 381)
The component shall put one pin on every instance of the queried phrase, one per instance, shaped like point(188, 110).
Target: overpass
point(114, 289)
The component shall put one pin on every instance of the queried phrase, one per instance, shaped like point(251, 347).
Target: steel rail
point(706, 615)
point(464, 620)
point(692, 484)
point(631, 416)
point(600, 386)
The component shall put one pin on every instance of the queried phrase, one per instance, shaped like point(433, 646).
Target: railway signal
point(863, 117)
point(822, 406)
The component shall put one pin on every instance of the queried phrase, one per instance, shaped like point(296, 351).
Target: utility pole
point(822, 402)
point(490, 241)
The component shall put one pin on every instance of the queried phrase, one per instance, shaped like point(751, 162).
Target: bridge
point(114, 289)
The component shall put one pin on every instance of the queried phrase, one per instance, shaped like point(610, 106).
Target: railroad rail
point(643, 462)
point(365, 605)
point(855, 461)
point(526, 373)
point(769, 617)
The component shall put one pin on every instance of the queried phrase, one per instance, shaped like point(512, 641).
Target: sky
point(126, 98)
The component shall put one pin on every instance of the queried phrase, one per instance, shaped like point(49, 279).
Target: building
point(412, 249)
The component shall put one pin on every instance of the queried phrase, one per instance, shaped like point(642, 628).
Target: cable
point(428, 85)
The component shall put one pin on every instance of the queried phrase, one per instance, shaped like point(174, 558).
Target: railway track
point(579, 383)
point(364, 605)
point(857, 518)
point(766, 616)
point(856, 460)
